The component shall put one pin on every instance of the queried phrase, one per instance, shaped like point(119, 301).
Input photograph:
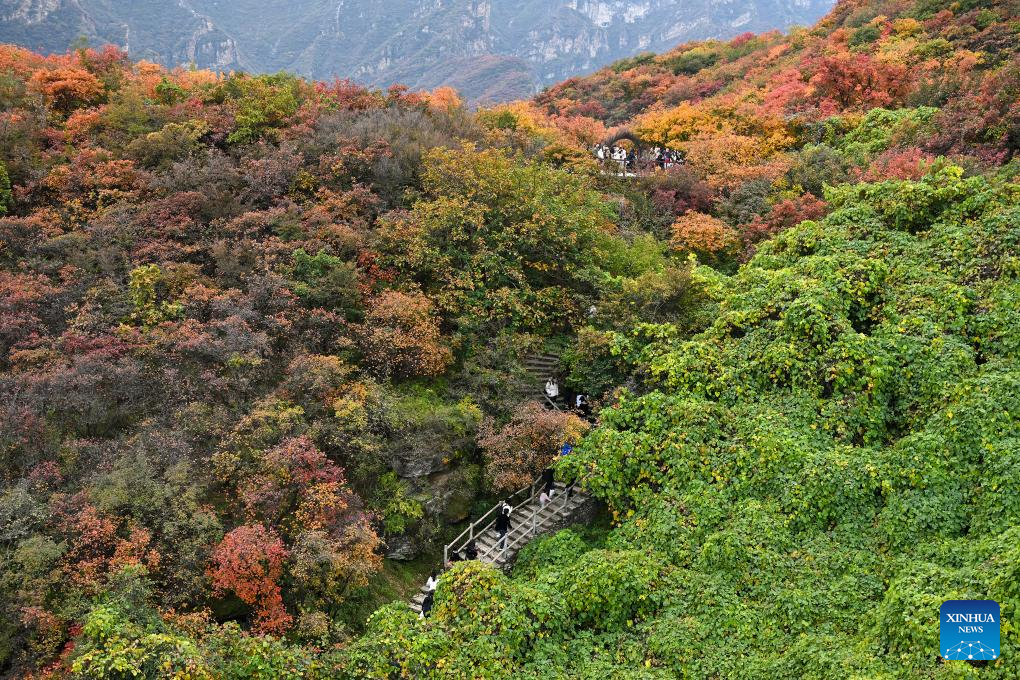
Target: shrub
point(518, 451)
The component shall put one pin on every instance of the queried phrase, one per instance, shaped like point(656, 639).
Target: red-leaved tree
point(249, 563)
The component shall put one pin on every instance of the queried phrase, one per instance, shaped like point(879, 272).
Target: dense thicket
point(251, 327)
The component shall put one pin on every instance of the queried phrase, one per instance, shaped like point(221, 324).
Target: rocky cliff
point(488, 50)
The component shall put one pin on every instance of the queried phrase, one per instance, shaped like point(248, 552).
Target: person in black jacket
point(471, 551)
point(426, 604)
point(548, 481)
point(503, 525)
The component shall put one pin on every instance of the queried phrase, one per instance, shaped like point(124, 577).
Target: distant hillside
point(489, 51)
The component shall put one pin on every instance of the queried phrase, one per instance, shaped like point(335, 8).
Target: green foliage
point(264, 104)
point(881, 129)
point(632, 62)
point(174, 142)
point(499, 119)
point(324, 280)
point(115, 648)
point(865, 35)
point(396, 507)
point(818, 460)
point(549, 552)
point(595, 361)
point(606, 589)
point(123, 637)
point(169, 92)
point(149, 292)
point(503, 241)
point(693, 60)
point(913, 205)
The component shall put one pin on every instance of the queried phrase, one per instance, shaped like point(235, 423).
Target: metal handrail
point(471, 530)
point(531, 522)
point(532, 525)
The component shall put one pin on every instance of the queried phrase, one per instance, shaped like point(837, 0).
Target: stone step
point(553, 510)
point(552, 362)
point(534, 366)
point(545, 519)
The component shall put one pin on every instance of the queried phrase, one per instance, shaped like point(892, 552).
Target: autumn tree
point(298, 490)
point(444, 98)
point(696, 232)
point(284, 479)
point(96, 543)
point(858, 80)
point(783, 215)
point(67, 88)
point(517, 452)
point(401, 337)
point(249, 562)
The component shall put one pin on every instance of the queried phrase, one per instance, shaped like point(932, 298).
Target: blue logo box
point(969, 630)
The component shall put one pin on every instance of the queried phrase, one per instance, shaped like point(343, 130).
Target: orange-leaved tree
point(696, 232)
point(401, 337)
point(518, 451)
point(249, 562)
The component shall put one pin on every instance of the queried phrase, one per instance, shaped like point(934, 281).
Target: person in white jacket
point(552, 389)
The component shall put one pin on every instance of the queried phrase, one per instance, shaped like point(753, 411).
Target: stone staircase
point(528, 520)
point(542, 367)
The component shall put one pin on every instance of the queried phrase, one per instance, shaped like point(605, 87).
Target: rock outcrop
point(488, 50)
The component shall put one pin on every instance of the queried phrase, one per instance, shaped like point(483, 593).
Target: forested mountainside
point(488, 51)
point(263, 350)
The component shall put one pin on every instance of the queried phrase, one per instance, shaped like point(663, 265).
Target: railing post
point(471, 532)
point(446, 555)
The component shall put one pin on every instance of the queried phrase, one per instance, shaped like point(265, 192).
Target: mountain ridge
point(489, 52)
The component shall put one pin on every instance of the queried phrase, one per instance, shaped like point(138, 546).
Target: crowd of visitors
point(666, 157)
point(629, 160)
point(625, 160)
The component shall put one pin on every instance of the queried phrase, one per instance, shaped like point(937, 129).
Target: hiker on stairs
point(503, 525)
point(552, 389)
point(426, 604)
point(566, 450)
point(548, 486)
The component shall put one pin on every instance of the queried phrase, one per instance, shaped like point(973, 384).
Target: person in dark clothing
point(548, 481)
point(582, 406)
point(503, 525)
point(471, 551)
point(548, 486)
point(426, 604)
point(455, 556)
